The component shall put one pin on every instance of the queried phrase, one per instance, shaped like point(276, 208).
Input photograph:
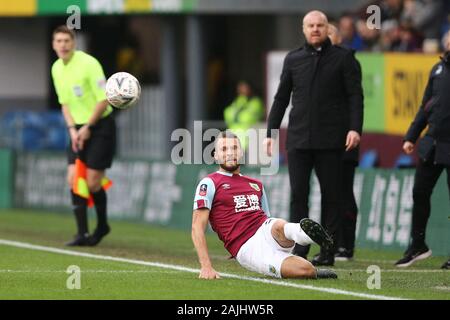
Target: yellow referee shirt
point(80, 84)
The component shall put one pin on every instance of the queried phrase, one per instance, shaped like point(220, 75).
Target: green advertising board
point(162, 193)
point(373, 85)
point(6, 178)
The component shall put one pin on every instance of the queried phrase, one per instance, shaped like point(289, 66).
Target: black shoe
point(343, 255)
point(326, 274)
point(301, 251)
point(317, 233)
point(446, 265)
point(412, 255)
point(323, 259)
point(79, 240)
point(98, 235)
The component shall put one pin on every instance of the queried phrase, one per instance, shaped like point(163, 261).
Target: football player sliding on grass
point(237, 209)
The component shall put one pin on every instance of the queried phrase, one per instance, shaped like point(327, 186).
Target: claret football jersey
point(238, 206)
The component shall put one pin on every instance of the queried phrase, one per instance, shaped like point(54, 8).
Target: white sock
point(292, 231)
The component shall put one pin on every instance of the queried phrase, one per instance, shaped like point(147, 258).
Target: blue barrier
point(28, 130)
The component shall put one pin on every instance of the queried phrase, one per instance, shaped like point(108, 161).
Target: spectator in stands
point(391, 9)
point(409, 40)
point(334, 34)
point(350, 38)
point(370, 37)
point(390, 35)
point(426, 16)
point(244, 112)
point(434, 154)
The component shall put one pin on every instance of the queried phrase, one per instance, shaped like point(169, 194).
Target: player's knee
point(278, 227)
point(94, 184)
point(306, 269)
point(296, 267)
point(309, 270)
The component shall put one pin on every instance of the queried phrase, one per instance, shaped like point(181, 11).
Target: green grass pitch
point(26, 273)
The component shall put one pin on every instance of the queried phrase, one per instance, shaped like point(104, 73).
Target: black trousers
point(350, 208)
point(426, 177)
point(328, 167)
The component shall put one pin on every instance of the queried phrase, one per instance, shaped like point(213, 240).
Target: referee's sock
point(80, 211)
point(100, 201)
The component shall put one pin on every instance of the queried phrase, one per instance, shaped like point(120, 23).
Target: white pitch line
point(85, 271)
point(191, 270)
point(393, 270)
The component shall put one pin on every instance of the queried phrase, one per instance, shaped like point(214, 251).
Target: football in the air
point(122, 90)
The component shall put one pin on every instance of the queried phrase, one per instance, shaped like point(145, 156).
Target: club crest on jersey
point(203, 189)
point(272, 269)
point(254, 186)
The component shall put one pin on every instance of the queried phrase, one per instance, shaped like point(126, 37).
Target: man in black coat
point(350, 160)
point(434, 154)
point(326, 119)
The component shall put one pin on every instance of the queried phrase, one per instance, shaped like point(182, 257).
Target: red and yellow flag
point(80, 186)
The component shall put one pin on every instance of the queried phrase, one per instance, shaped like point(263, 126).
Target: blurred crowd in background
point(406, 26)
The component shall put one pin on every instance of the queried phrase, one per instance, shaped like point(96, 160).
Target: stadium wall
point(161, 193)
point(6, 178)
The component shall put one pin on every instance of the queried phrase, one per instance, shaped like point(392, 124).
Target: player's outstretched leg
point(297, 267)
point(317, 233)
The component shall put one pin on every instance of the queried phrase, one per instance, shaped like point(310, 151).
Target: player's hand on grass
point(353, 139)
point(208, 273)
point(408, 147)
point(83, 134)
point(268, 146)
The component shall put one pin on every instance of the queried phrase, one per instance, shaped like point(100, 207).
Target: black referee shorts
point(98, 151)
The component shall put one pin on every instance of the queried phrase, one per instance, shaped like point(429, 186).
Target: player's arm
point(279, 105)
point(265, 203)
point(199, 224)
point(71, 127)
point(354, 91)
point(63, 98)
point(97, 83)
point(421, 119)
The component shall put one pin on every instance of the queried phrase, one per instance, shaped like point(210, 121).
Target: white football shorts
point(262, 253)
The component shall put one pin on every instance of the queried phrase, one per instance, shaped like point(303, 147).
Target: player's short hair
point(64, 29)
point(226, 134)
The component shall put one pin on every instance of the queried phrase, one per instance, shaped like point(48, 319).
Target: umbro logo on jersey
point(226, 186)
point(254, 186)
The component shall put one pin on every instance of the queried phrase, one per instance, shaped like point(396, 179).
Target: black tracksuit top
point(327, 97)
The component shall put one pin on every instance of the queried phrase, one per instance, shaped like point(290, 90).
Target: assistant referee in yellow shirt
point(80, 85)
